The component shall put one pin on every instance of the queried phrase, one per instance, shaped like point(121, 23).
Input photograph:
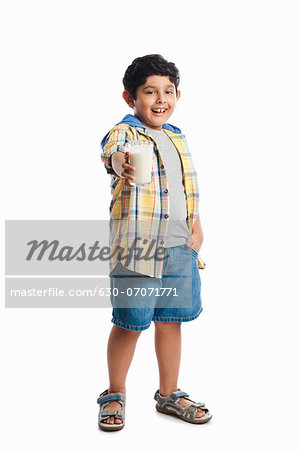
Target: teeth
point(159, 110)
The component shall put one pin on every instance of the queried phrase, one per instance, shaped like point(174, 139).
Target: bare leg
point(120, 352)
point(168, 351)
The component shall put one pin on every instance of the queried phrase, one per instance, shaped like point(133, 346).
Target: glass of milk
point(141, 157)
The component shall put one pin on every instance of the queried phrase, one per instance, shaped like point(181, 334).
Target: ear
point(128, 99)
point(178, 95)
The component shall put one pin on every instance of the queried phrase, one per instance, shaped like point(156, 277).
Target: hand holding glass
point(141, 157)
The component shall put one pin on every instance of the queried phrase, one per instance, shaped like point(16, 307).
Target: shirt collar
point(133, 121)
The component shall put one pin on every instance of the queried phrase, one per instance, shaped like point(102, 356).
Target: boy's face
point(155, 101)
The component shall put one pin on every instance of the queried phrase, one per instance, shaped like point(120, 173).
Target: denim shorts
point(137, 299)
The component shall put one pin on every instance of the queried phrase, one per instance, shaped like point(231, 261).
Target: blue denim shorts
point(137, 299)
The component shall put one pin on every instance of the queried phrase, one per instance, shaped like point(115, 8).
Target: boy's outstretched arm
point(116, 142)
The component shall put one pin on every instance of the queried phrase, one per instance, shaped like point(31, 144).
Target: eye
point(149, 92)
point(169, 92)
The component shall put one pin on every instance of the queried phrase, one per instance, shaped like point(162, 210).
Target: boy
point(165, 213)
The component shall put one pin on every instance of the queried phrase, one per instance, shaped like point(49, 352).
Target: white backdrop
point(62, 68)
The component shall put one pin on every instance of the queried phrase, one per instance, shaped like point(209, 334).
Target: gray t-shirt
point(177, 228)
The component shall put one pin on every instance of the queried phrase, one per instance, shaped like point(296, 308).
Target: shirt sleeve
point(117, 141)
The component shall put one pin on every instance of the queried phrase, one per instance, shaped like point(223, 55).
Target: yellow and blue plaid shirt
point(142, 212)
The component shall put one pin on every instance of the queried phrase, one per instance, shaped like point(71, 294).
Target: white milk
point(141, 158)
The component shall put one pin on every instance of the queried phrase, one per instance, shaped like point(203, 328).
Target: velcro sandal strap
point(200, 405)
point(178, 394)
point(108, 398)
point(112, 412)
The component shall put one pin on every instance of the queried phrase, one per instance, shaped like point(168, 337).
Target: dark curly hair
point(145, 66)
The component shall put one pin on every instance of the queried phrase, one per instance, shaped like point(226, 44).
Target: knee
point(164, 326)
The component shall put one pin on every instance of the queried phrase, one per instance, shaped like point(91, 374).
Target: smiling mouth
point(159, 111)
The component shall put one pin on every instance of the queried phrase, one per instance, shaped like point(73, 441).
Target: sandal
point(103, 401)
point(170, 405)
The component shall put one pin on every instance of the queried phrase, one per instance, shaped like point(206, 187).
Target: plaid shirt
point(141, 212)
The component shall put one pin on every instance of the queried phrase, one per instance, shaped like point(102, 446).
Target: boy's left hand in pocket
point(194, 241)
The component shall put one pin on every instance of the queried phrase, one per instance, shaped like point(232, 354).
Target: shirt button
point(166, 190)
point(166, 216)
point(162, 242)
point(162, 167)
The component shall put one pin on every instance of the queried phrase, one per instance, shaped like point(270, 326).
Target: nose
point(161, 98)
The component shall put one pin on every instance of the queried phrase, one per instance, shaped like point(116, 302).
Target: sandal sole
point(173, 413)
point(111, 428)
